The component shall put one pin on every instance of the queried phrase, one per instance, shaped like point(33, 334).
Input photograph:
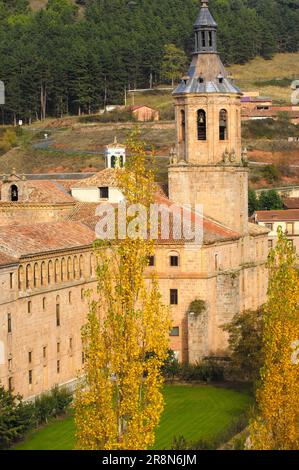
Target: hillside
point(270, 77)
point(113, 45)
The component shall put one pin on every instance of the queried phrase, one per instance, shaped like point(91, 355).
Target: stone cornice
point(52, 254)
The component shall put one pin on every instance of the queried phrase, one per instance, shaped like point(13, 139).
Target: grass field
point(196, 412)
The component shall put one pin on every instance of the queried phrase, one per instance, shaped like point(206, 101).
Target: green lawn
point(192, 411)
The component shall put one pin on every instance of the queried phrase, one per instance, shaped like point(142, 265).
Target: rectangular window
point(58, 367)
point(10, 385)
point(151, 261)
point(58, 315)
point(30, 357)
point(45, 352)
point(175, 331)
point(104, 193)
point(269, 226)
point(11, 280)
point(174, 261)
point(9, 363)
point(174, 298)
point(9, 328)
point(29, 307)
point(270, 244)
point(71, 343)
point(44, 303)
point(30, 377)
point(58, 348)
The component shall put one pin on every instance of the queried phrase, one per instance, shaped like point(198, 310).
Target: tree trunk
point(43, 101)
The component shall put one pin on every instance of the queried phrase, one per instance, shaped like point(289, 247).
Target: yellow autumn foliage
point(276, 425)
point(120, 402)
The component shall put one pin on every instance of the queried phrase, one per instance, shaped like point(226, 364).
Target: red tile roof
point(291, 202)
point(278, 216)
point(25, 240)
point(6, 260)
point(107, 177)
point(45, 191)
point(212, 231)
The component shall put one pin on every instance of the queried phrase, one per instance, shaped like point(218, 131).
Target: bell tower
point(209, 167)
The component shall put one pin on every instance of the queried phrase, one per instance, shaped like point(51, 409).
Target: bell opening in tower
point(183, 126)
point(201, 125)
point(223, 134)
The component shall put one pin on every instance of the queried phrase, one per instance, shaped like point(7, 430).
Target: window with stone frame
point(174, 297)
point(175, 331)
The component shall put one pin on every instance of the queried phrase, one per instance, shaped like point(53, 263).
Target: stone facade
point(46, 237)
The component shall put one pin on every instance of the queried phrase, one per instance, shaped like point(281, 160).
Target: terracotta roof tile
point(291, 202)
point(50, 192)
point(105, 177)
point(7, 260)
point(277, 216)
point(45, 191)
point(24, 240)
point(212, 230)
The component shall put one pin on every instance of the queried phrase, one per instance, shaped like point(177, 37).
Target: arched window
point(57, 270)
point(14, 193)
point(113, 161)
point(69, 269)
point(76, 268)
point(21, 278)
point(92, 264)
point(201, 125)
point(28, 276)
point(50, 272)
point(183, 126)
point(223, 133)
point(43, 274)
point(203, 39)
point(63, 270)
point(81, 266)
point(35, 275)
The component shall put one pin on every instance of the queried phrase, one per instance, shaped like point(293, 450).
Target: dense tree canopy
point(57, 60)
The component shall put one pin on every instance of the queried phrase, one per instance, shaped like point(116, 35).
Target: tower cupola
point(205, 28)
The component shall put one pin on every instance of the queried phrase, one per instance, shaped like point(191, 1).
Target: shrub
point(205, 371)
point(16, 418)
point(9, 140)
point(271, 173)
point(51, 404)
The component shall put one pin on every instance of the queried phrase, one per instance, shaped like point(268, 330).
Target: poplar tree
point(276, 425)
point(125, 340)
